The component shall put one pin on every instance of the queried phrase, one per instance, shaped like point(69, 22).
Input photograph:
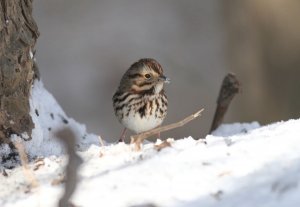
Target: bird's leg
point(122, 137)
point(158, 134)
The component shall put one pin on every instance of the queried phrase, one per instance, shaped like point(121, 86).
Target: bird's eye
point(148, 76)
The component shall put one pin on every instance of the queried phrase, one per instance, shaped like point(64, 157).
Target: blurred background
point(86, 46)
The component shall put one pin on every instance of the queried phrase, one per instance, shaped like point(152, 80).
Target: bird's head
point(144, 75)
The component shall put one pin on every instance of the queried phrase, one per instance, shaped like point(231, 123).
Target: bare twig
point(139, 138)
point(68, 138)
point(29, 175)
point(229, 88)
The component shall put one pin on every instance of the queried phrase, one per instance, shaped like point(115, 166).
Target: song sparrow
point(140, 103)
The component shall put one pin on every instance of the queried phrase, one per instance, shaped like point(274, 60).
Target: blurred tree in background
point(264, 50)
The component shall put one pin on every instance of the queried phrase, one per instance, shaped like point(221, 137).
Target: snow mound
point(257, 168)
point(226, 130)
point(48, 118)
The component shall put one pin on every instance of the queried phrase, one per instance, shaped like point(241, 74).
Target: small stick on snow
point(139, 138)
point(229, 88)
point(24, 160)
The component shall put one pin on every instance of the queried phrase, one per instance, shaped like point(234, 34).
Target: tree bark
point(18, 35)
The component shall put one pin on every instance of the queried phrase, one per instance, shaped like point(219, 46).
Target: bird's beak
point(164, 79)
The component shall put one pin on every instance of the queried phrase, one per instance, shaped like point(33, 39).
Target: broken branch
point(229, 88)
point(139, 138)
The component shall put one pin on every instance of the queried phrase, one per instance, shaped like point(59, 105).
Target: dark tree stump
point(18, 35)
point(229, 88)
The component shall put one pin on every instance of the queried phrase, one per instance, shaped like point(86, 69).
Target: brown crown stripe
point(154, 65)
point(151, 63)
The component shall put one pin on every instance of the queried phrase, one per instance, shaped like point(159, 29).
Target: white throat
point(158, 88)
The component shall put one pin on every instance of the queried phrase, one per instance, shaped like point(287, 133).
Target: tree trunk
point(18, 35)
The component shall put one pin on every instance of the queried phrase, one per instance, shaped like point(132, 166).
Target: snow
point(226, 130)
point(240, 164)
point(48, 118)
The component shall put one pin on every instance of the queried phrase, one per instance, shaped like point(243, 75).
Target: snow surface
point(238, 165)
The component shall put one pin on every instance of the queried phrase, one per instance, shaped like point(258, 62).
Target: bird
point(140, 102)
